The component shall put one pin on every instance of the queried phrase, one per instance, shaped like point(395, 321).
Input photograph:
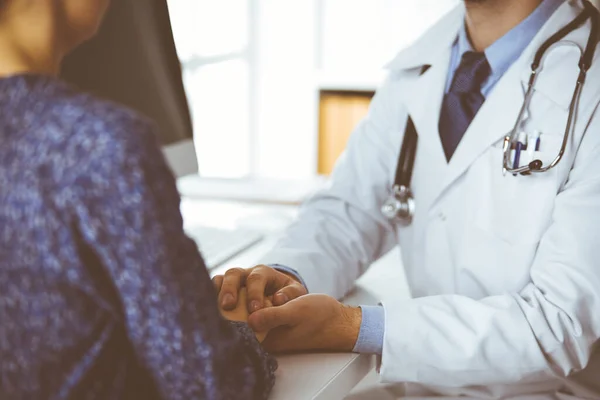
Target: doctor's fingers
point(233, 280)
point(290, 292)
point(273, 317)
point(264, 280)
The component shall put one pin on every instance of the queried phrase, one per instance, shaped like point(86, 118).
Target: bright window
point(212, 41)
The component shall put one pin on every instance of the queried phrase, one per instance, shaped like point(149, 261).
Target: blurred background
point(276, 86)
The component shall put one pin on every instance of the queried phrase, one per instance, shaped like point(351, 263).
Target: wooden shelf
point(339, 113)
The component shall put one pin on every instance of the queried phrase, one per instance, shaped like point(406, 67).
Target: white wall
point(286, 123)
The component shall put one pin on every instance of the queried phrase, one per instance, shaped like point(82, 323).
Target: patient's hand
point(240, 313)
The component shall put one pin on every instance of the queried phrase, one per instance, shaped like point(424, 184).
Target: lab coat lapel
point(422, 96)
point(423, 99)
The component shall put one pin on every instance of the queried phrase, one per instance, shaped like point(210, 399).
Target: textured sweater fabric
point(102, 295)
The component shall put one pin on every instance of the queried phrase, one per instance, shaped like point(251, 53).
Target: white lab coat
point(504, 270)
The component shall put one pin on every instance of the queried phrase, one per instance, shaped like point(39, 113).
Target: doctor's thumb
point(269, 318)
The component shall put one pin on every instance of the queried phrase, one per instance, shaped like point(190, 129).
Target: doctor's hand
point(261, 281)
point(311, 322)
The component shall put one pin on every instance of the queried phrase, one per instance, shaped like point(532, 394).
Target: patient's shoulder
point(103, 122)
point(84, 133)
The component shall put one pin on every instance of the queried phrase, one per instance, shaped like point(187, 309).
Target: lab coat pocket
point(517, 209)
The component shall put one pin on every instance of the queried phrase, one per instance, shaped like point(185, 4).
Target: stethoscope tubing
point(401, 192)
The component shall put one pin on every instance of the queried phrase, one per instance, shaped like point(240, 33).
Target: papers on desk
point(276, 191)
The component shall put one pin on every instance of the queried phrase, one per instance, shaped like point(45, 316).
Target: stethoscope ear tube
point(590, 49)
point(590, 12)
point(408, 152)
point(400, 206)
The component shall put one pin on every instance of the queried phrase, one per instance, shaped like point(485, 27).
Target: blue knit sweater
point(102, 295)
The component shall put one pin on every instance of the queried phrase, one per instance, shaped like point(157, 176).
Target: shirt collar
point(506, 50)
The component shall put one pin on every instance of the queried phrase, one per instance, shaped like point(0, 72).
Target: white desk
point(303, 376)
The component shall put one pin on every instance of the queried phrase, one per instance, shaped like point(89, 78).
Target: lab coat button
point(442, 216)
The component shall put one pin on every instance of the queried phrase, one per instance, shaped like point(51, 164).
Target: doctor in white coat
point(504, 270)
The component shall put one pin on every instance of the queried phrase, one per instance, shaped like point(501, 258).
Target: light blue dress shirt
point(500, 55)
point(506, 50)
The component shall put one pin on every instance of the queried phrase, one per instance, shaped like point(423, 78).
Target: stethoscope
point(401, 204)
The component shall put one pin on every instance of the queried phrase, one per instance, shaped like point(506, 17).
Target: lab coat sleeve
point(547, 329)
point(341, 231)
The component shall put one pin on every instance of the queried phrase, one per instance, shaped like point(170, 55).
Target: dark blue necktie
point(463, 100)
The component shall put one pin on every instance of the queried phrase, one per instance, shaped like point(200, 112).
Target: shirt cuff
point(372, 327)
point(291, 271)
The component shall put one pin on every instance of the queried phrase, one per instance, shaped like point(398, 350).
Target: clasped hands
point(284, 317)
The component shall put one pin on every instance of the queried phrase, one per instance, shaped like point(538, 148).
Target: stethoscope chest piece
point(400, 206)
